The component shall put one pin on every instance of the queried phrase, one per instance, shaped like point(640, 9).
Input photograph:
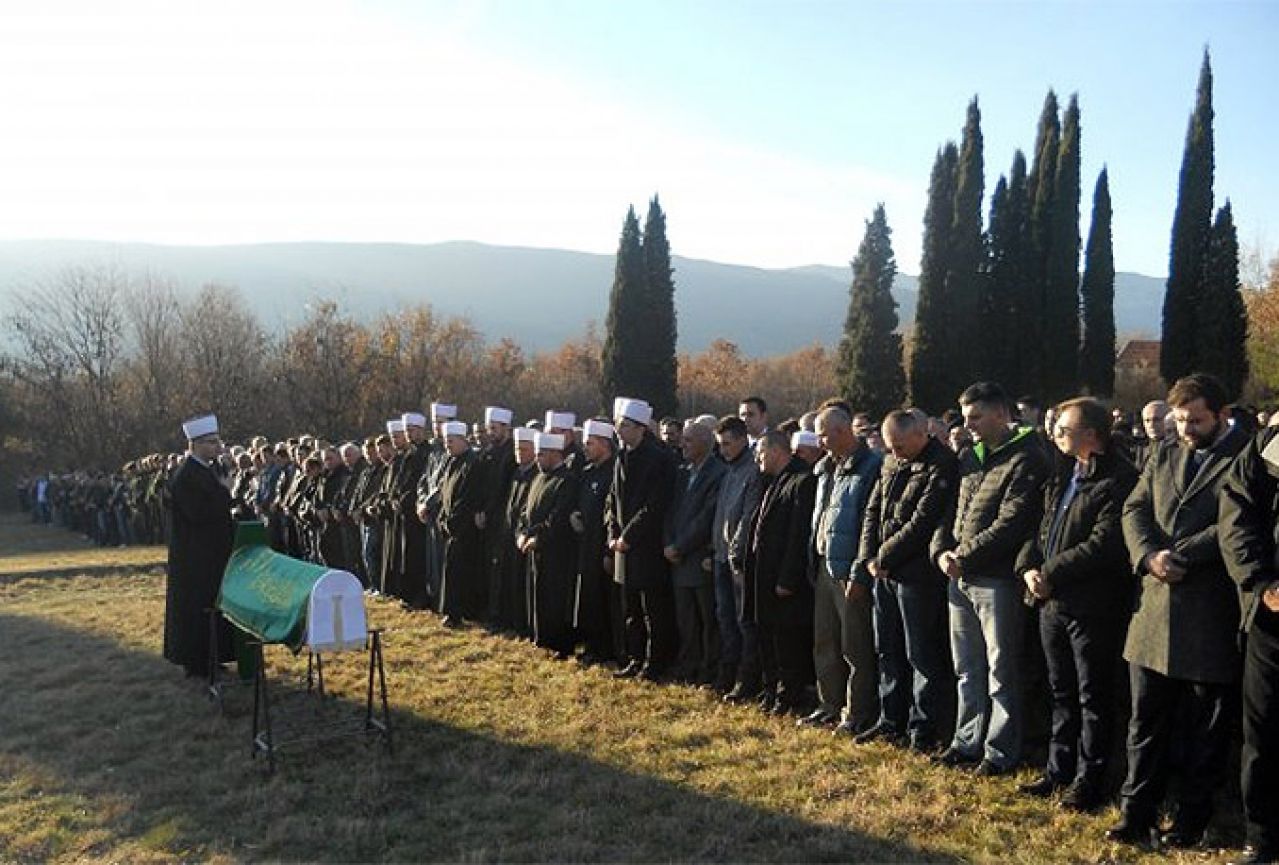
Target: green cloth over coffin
point(279, 599)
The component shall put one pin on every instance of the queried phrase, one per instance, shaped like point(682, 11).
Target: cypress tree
point(1223, 318)
point(1040, 191)
point(965, 272)
point(1191, 224)
point(933, 385)
point(870, 354)
point(621, 370)
point(1061, 267)
point(659, 327)
point(1005, 310)
point(1097, 352)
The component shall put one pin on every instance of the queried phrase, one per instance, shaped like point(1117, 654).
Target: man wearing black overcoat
point(199, 546)
point(458, 521)
point(545, 535)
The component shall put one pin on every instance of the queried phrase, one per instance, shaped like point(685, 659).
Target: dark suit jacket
point(777, 548)
point(643, 480)
point(1087, 571)
point(689, 521)
point(1184, 630)
point(1248, 528)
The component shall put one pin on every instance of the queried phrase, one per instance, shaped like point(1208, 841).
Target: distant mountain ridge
point(538, 297)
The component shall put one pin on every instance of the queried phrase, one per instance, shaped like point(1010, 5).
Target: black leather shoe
point(987, 769)
point(1128, 831)
point(818, 718)
point(1182, 837)
point(1082, 797)
point(630, 671)
point(956, 757)
point(657, 677)
point(1257, 856)
point(877, 733)
point(1041, 788)
point(741, 695)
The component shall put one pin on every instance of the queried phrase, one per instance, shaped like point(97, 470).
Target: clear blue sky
point(769, 129)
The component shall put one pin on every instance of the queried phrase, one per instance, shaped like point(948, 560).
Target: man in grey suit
point(1181, 647)
point(688, 548)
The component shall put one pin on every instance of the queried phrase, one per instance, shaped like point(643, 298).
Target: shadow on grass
point(71, 571)
point(128, 757)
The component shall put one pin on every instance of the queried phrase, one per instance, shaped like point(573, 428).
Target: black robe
point(595, 589)
point(515, 606)
point(553, 562)
point(461, 499)
point(200, 537)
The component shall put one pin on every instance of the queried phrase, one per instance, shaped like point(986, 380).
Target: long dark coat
point(200, 537)
point(777, 549)
point(643, 480)
point(461, 499)
point(553, 562)
point(689, 521)
point(1185, 630)
point(515, 605)
point(593, 584)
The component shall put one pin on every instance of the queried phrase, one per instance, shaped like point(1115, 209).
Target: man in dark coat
point(546, 536)
point(331, 544)
point(1249, 537)
point(199, 546)
point(1075, 569)
point(643, 479)
point(914, 494)
point(497, 461)
point(779, 593)
point(598, 613)
point(1182, 654)
point(516, 607)
point(459, 523)
point(691, 555)
point(389, 504)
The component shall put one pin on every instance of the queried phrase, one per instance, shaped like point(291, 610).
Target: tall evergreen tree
point(933, 384)
point(622, 371)
point(870, 354)
point(966, 272)
point(1223, 318)
point(659, 327)
point(1061, 267)
point(1005, 311)
point(1191, 224)
point(1040, 191)
point(1097, 351)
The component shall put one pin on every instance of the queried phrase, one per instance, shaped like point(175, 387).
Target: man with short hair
point(643, 480)
point(843, 633)
point(1249, 538)
point(753, 412)
point(1182, 653)
point(779, 594)
point(688, 550)
point(998, 508)
point(1075, 571)
point(1153, 417)
point(911, 499)
point(739, 652)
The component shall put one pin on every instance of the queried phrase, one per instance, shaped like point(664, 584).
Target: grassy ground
point(502, 753)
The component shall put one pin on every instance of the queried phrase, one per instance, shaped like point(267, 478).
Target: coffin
point(279, 599)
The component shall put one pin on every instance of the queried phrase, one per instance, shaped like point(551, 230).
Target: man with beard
point(545, 535)
point(779, 594)
point(563, 423)
point(460, 522)
point(516, 608)
point(199, 546)
point(1182, 654)
point(497, 462)
point(643, 480)
point(598, 611)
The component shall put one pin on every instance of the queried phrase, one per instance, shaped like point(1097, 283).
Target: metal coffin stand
point(265, 740)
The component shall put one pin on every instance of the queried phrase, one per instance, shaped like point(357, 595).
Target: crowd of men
point(956, 586)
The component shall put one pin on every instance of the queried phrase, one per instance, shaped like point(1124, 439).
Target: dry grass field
point(502, 753)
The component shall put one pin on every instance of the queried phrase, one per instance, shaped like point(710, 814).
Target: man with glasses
point(199, 546)
point(1074, 569)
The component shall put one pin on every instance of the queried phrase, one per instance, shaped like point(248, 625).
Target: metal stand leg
point(262, 738)
point(382, 724)
point(215, 651)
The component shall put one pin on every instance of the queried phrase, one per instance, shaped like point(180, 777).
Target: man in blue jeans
point(998, 507)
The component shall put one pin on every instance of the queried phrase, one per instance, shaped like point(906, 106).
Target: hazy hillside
point(536, 296)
